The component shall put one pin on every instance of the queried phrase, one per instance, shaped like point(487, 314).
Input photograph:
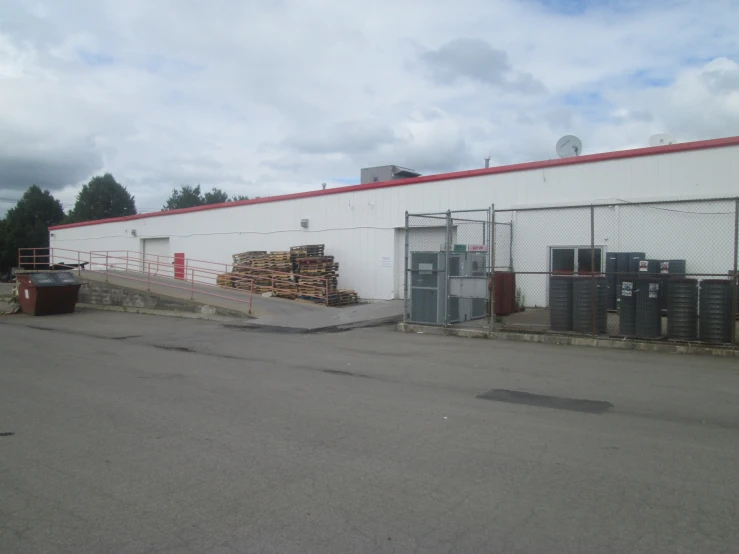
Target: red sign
point(477, 248)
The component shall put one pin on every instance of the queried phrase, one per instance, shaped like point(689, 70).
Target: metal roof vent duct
point(383, 173)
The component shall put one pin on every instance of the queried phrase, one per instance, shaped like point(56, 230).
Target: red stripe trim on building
point(527, 166)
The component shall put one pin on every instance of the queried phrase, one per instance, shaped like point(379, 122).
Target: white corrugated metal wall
point(360, 228)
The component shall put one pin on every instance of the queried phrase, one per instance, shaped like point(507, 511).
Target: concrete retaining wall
point(106, 294)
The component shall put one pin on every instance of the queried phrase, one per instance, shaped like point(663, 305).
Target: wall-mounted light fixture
point(304, 223)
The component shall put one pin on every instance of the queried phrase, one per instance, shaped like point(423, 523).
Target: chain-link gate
point(448, 268)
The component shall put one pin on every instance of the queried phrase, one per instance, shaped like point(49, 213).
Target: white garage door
point(156, 252)
point(423, 239)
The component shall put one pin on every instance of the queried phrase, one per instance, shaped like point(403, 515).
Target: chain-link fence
point(657, 270)
point(447, 267)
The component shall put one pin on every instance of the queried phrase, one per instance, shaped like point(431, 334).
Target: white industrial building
point(363, 225)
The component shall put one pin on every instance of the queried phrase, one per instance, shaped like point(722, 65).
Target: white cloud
point(264, 98)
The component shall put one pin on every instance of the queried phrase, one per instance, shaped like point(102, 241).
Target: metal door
point(156, 256)
point(179, 266)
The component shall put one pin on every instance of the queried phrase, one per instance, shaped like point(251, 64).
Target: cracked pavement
point(143, 434)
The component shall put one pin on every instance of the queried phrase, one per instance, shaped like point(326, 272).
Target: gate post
point(491, 256)
point(593, 290)
point(406, 305)
point(446, 265)
point(735, 280)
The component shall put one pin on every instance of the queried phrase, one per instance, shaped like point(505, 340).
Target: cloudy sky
point(263, 97)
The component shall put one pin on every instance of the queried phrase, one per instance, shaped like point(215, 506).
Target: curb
point(615, 344)
point(340, 328)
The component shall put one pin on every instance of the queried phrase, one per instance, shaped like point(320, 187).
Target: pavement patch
point(176, 348)
point(347, 373)
point(546, 401)
point(7, 434)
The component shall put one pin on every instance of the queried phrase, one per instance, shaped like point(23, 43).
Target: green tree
point(186, 197)
point(27, 224)
point(190, 197)
point(4, 265)
point(240, 197)
point(102, 198)
point(215, 196)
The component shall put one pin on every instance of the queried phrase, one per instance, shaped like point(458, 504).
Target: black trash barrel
point(622, 268)
point(627, 308)
point(634, 259)
point(648, 324)
point(682, 309)
point(648, 267)
point(560, 303)
point(716, 299)
point(612, 276)
point(584, 291)
point(669, 270)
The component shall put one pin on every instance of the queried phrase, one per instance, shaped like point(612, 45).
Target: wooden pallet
point(343, 297)
point(274, 261)
point(313, 292)
point(285, 289)
point(246, 256)
point(262, 289)
point(315, 260)
point(326, 269)
point(224, 280)
point(322, 282)
point(306, 251)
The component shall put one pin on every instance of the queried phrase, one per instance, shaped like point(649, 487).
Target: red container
point(48, 293)
point(505, 292)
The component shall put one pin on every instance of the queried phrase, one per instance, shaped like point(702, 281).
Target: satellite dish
point(661, 139)
point(569, 146)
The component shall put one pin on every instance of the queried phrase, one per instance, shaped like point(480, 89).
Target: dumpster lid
point(56, 279)
point(65, 278)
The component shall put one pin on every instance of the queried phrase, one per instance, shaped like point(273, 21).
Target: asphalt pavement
point(127, 433)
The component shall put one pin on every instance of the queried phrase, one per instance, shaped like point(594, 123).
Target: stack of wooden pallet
point(318, 275)
point(262, 281)
point(315, 288)
point(285, 286)
point(303, 272)
point(280, 261)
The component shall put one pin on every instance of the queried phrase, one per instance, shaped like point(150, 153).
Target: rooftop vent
point(384, 173)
